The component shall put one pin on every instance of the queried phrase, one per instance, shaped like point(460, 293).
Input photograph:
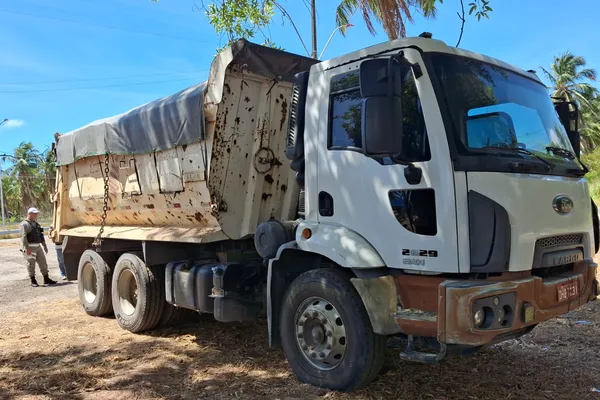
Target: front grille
point(562, 240)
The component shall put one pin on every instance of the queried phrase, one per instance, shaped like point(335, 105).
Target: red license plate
point(567, 290)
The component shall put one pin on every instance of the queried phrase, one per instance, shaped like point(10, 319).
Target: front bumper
point(437, 307)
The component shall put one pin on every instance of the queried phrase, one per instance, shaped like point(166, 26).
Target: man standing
point(32, 238)
point(60, 258)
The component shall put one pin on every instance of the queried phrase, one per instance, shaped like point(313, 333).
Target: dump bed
point(205, 164)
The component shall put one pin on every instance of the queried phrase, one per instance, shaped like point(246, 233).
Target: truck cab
point(446, 181)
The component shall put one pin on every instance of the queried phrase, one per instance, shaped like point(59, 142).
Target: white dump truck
point(408, 189)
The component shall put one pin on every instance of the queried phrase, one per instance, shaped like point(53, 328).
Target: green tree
point(393, 14)
point(236, 19)
point(570, 78)
point(24, 171)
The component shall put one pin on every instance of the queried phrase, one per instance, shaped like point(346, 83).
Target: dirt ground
point(50, 349)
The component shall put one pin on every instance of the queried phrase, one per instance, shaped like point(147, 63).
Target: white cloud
point(13, 123)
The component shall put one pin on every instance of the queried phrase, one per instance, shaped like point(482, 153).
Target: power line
point(101, 26)
point(93, 87)
point(104, 79)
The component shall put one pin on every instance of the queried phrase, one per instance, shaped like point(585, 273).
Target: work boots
point(34, 282)
point(48, 281)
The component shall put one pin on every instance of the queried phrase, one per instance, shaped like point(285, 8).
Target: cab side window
point(345, 112)
point(345, 117)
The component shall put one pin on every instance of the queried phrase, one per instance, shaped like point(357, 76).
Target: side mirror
point(575, 139)
point(382, 126)
point(381, 90)
point(568, 113)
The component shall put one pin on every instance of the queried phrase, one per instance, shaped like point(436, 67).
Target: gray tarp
point(159, 125)
point(175, 120)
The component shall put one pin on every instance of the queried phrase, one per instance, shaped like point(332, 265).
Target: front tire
point(138, 300)
point(94, 283)
point(326, 333)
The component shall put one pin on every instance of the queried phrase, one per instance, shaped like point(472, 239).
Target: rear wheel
point(138, 300)
point(94, 283)
point(326, 333)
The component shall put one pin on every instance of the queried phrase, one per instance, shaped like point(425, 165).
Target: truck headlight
point(479, 318)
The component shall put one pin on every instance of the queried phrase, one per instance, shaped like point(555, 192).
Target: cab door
point(408, 213)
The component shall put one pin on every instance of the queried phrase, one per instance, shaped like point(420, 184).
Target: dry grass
point(60, 353)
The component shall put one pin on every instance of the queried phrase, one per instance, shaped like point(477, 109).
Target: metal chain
point(98, 240)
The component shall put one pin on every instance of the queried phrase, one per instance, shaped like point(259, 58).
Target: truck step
point(426, 358)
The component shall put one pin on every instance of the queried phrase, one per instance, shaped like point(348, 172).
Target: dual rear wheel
point(127, 288)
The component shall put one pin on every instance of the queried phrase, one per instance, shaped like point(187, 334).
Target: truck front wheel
point(326, 333)
point(137, 297)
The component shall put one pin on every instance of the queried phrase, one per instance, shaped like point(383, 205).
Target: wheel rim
point(127, 289)
point(320, 333)
point(90, 283)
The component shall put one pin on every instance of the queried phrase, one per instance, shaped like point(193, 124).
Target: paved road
point(14, 282)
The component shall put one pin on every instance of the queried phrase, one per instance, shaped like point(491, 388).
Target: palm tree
point(392, 14)
point(590, 122)
point(568, 77)
point(24, 169)
point(47, 169)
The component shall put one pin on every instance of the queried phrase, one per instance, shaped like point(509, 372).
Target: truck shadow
point(218, 361)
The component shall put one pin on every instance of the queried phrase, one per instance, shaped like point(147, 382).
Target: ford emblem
point(562, 204)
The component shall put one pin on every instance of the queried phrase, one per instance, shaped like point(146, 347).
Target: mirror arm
point(416, 68)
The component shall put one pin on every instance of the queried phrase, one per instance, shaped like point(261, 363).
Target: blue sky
point(122, 68)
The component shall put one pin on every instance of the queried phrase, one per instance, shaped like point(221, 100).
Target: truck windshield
point(495, 110)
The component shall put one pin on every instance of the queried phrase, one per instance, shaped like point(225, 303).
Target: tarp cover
point(159, 125)
point(175, 120)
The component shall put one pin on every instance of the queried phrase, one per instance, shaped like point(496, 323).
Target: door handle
point(412, 174)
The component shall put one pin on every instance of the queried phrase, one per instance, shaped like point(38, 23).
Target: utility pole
point(313, 10)
point(2, 201)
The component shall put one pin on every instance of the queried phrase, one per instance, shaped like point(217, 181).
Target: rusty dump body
point(226, 153)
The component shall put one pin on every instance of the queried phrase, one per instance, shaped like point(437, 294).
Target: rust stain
point(149, 206)
point(184, 147)
point(276, 162)
point(265, 196)
point(283, 188)
point(199, 217)
point(228, 88)
point(269, 179)
point(149, 220)
point(284, 110)
point(246, 99)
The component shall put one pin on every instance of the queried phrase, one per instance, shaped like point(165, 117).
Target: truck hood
point(529, 201)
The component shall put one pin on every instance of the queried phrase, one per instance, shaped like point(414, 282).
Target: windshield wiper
point(559, 151)
point(521, 151)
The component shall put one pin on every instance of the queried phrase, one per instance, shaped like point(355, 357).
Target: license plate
point(567, 290)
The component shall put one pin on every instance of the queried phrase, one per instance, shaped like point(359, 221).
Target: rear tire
point(138, 299)
point(94, 283)
point(326, 333)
